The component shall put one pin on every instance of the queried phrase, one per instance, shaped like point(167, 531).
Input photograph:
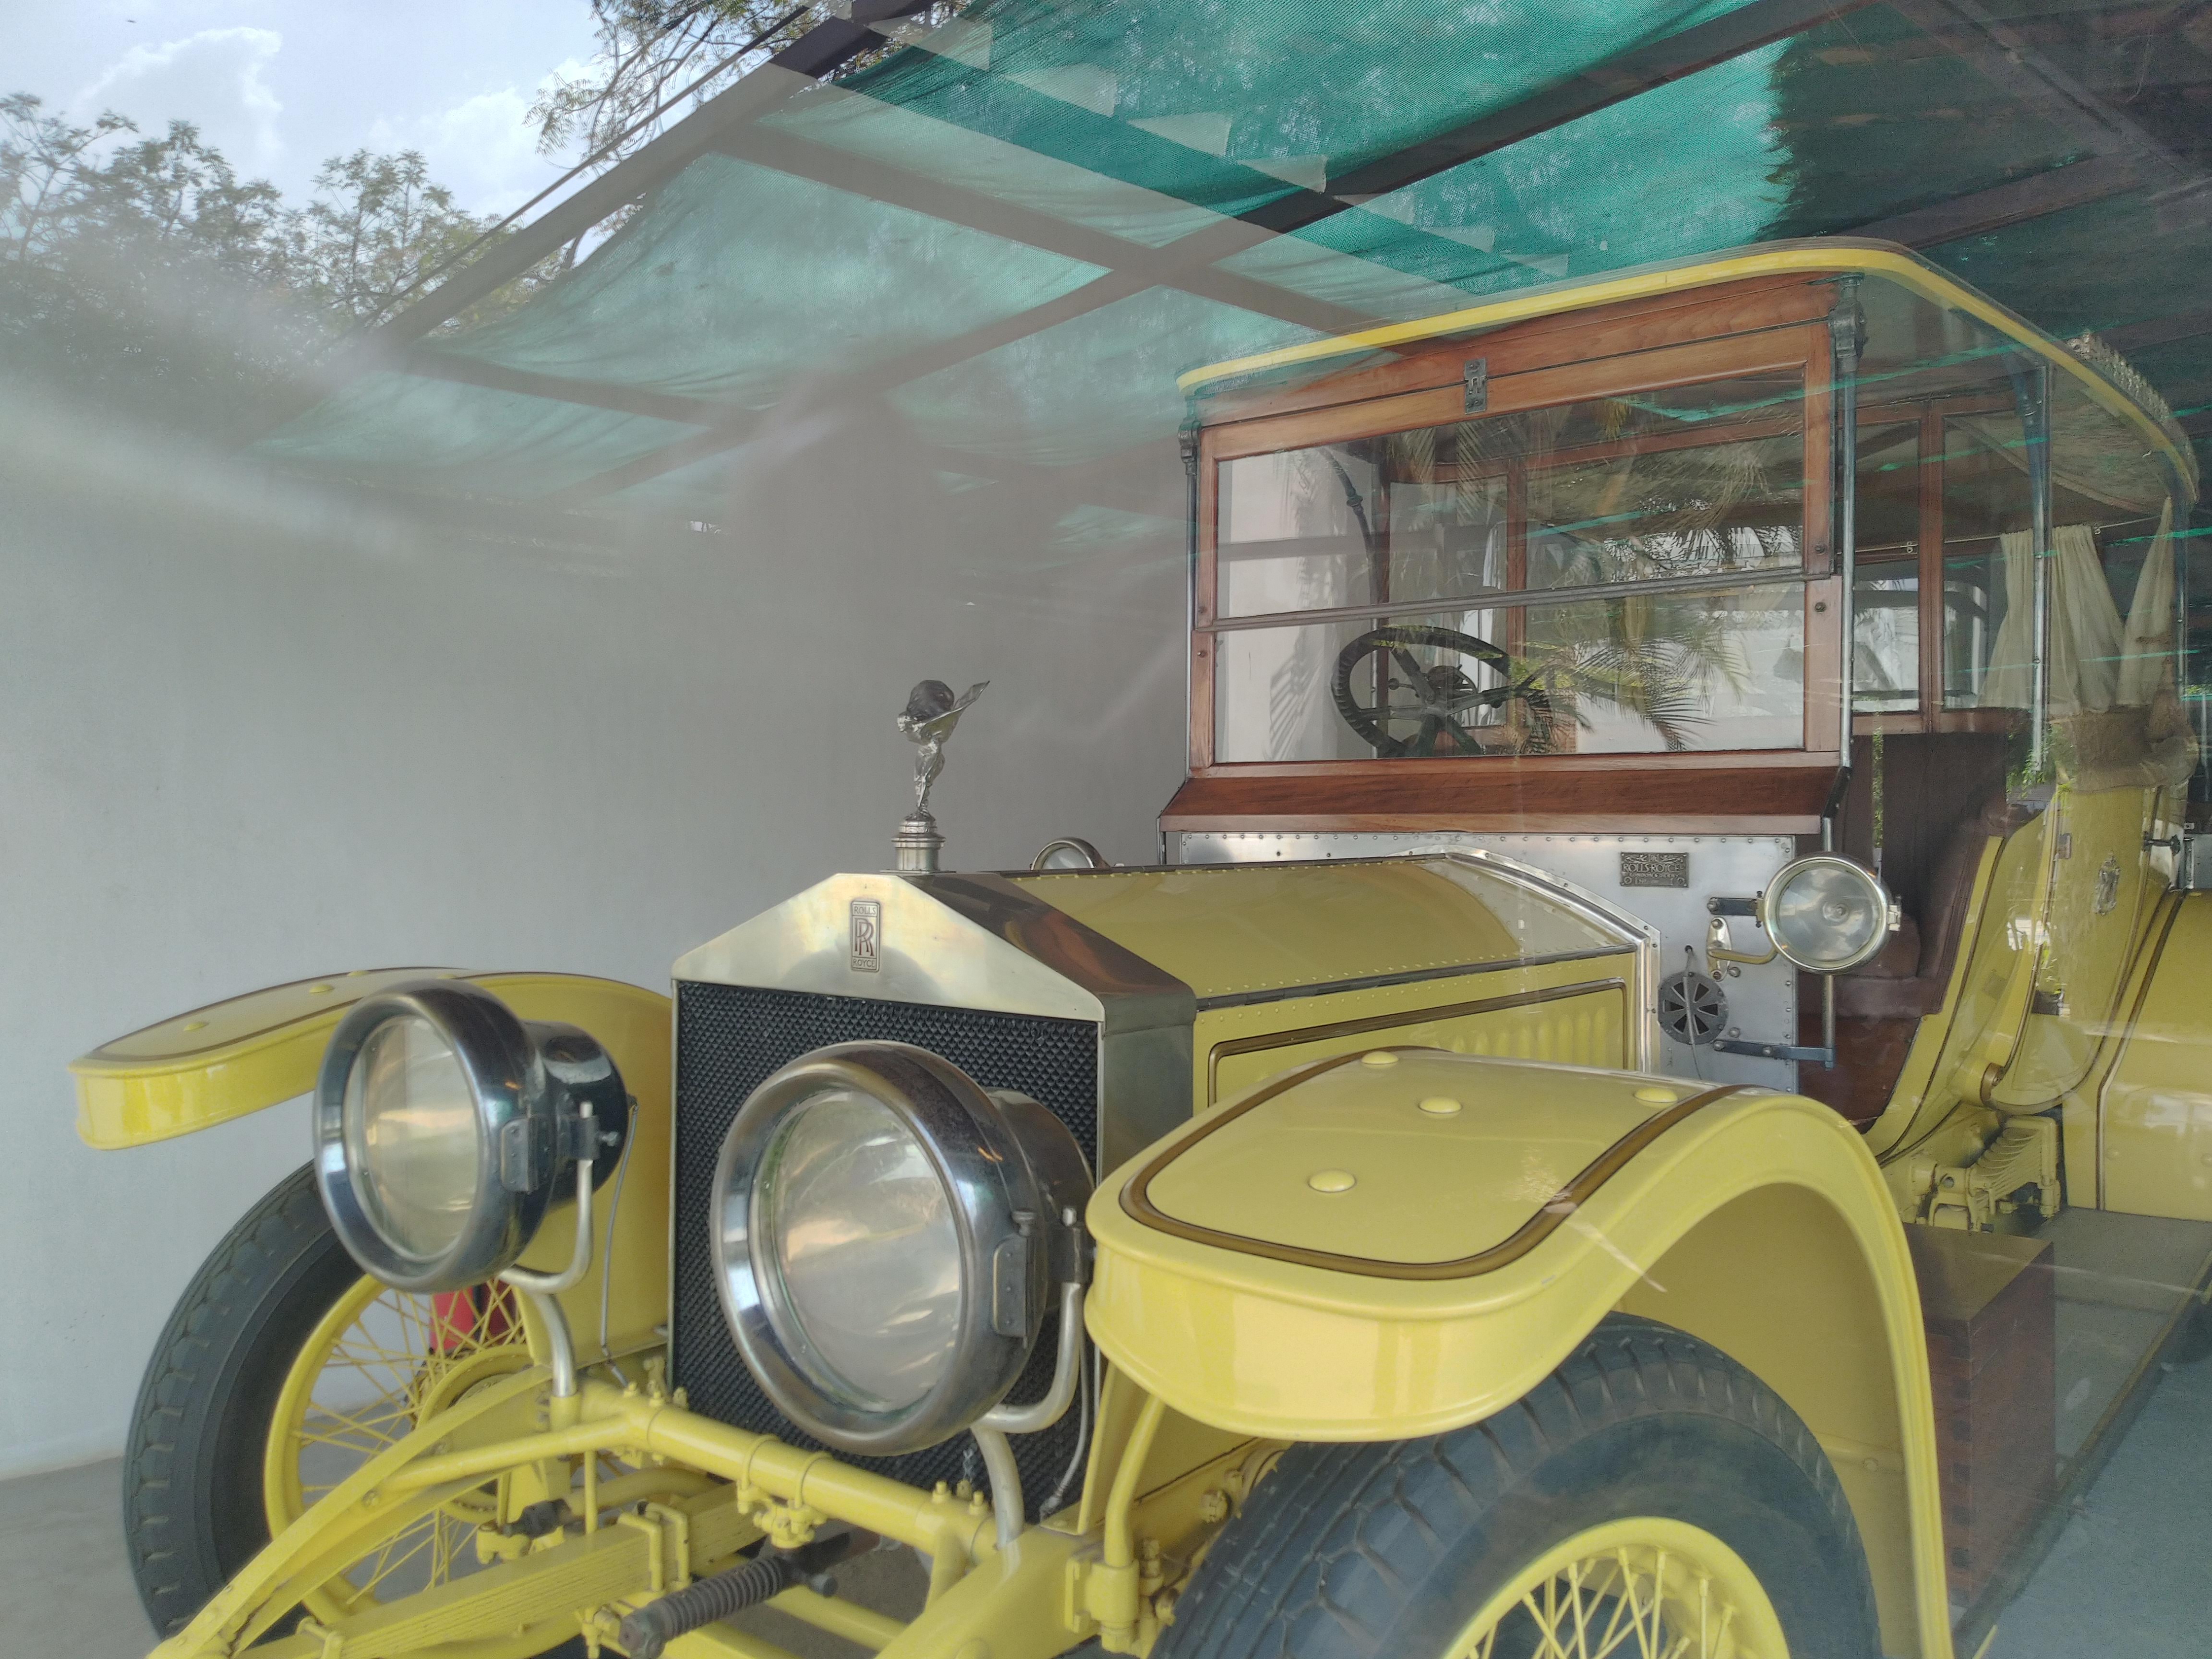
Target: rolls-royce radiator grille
point(728, 1039)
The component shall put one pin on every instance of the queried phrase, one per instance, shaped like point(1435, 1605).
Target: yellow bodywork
point(1247, 930)
point(223, 1062)
point(1509, 1206)
point(2149, 1121)
point(1345, 1258)
point(1221, 1356)
point(2074, 1014)
point(1428, 1154)
point(1293, 963)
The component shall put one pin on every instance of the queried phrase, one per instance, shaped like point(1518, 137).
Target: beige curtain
point(2010, 681)
point(2085, 628)
point(2085, 625)
point(2148, 649)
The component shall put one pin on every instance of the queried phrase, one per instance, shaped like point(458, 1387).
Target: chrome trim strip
point(1133, 993)
point(1625, 924)
point(1146, 1015)
point(1410, 976)
point(1301, 1036)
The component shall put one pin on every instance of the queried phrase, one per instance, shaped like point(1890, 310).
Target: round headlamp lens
point(410, 1136)
point(1827, 914)
point(855, 1243)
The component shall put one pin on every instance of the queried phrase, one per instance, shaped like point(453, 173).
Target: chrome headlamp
point(886, 1235)
point(443, 1124)
point(1826, 913)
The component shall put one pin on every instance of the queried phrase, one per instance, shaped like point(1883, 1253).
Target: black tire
point(1351, 1550)
point(192, 1508)
point(193, 1513)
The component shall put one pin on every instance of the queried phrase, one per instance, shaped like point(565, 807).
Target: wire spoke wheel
point(1641, 1588)
point(379, 1364)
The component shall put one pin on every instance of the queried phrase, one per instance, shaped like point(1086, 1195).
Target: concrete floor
point(2128, 1573)
point(65, 1589)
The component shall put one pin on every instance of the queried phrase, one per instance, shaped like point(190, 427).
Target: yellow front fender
point(1387, 1246)
point(233, 1058)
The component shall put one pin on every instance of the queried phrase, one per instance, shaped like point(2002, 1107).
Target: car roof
point(2093, 372)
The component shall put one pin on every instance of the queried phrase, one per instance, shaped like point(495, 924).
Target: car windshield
point(1617, 575)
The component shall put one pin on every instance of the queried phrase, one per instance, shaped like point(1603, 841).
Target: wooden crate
point(1988, 1302)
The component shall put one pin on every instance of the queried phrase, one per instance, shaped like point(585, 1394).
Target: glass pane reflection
point(1415, 547)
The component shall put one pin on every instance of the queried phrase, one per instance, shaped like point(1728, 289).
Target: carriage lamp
point(888, 1236)
point(444, 1124)
point(1826, 913)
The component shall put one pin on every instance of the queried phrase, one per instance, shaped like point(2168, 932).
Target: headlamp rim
point(981, 1161)
point(1770, 898)
point(507, 1082)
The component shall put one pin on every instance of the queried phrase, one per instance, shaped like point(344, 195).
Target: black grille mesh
point(728, 1039)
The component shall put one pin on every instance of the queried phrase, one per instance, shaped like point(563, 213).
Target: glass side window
point(2108, 576)
point(1357, 523)
point(1616, 576)
point(1886, 588)
point(1988, 570)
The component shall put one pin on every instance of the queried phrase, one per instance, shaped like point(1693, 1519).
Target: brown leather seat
point(1934, 845)
point(1907, 980)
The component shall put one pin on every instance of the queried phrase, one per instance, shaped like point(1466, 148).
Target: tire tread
point(1339, 1534)
point(170, 1531)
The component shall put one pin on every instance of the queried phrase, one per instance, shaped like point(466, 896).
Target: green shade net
point(1018, 231)
point(1590, 197)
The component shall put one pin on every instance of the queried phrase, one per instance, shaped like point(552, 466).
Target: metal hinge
point(525, 1153)
point(2192, 859)
point(1476, 378)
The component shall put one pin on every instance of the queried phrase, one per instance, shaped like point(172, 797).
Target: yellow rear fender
point(233, 1057)
point(1387, 1246)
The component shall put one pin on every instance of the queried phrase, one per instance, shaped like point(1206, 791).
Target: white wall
point(250, 734)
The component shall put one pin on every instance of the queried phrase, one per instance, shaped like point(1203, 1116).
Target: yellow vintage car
point(1672, 957)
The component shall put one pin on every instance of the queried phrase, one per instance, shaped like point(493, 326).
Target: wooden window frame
point(1932, 715)
point(1732, 332)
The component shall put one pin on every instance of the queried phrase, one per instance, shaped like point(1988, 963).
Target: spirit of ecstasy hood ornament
point(932, 711)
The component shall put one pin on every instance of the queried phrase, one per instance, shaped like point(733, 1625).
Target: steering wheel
point(1443, 696)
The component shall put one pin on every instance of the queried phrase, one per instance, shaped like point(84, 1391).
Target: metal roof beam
point(2150, 332)
point(1981, 211)
point(1099, 292)
point(1759, 23)
point(828, 47)
point(723, 426)
point(1654, 64)
point(2008, 60)
point(863, 175)
point(821, 50)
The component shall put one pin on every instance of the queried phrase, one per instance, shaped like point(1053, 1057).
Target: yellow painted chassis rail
point(1018, 1604)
